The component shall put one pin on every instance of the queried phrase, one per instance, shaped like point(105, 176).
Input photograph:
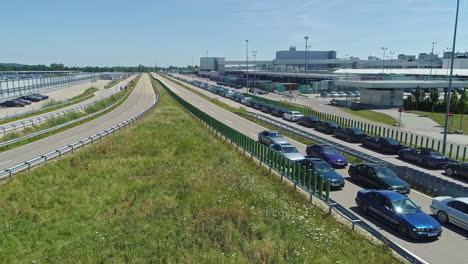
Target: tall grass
point(166, 190)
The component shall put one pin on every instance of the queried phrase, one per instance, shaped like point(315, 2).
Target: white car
point(451, 210)
point(292, 116)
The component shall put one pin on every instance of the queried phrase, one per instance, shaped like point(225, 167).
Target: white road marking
point(253, 134)
point(5, 162)
point(67, 139)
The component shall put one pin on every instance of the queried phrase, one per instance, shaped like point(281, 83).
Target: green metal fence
point(455, 151)
point(300, 176)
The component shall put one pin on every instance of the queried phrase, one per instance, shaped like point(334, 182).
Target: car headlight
point(415, 229)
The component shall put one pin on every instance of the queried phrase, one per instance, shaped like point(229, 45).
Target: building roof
point(435, 72)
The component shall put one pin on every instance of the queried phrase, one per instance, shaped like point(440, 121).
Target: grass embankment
point(52, 103)
point(212, 100)
point(439, 118)
point(148, 194)
point(372, 116)
point(63, 119)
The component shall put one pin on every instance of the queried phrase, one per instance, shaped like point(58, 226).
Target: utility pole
point(432, 57)
point(247, 60)
point(391, 61)
point(305, 59)
point(447, 109)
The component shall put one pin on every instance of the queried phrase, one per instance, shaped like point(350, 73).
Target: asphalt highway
point(139, 100)
point(449, 248)
point(389, 158)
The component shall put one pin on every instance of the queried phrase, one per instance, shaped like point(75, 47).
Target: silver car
point(288, 151)
point(451, 210)
point(269, 137)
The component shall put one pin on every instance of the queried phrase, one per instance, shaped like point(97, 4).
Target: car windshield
point(322, 166)
point(330, 150)
point(392, 141)
point(357, 131)
point(383, 172)
point(275, 135)
point(435, 153)
point(332, 124)
point(290, 150)
point(405, 206)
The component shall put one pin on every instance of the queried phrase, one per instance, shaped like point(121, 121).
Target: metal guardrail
point(27, 165)
point(45, 108)
point(425, 182)
point(9, 142)
point(333, 206)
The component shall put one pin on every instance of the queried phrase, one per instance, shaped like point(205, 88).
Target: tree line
point(61, 67)
point(419, 101)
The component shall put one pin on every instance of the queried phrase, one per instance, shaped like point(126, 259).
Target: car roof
point(313, 159)
point(391, 195)
point(324, 145)
point(285, 144)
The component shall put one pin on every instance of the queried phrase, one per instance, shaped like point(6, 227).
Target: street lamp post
point(391, 61)
point(305, 59)
point(383, 60)
point(254, 54)
point(432, 57)
point(247, 60)
point(447, 109)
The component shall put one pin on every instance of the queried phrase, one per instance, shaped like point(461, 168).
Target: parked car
point(459, 169)
point(267, 108)
point(292, 116)
point(382, 144)
point(279, 112)
point(424, 156)
point(378, 177)
point(327, 153)
point(288, 151)
point(400, 212)
point(258, 105)
point(324, 169)
point(269, 137)
point(23, 101)
point(262, 91)
point(351, 134)
point(451, 210)
point(31, 98)
point(43, 97)
point(12, 103)
point(308, 121)
point(250, 102)
point(327, 127)
point(245, 100)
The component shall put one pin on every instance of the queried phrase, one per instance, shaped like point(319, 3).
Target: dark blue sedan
point(324, 169)
point(327, 153)
point(400, 212)
point(424, 156)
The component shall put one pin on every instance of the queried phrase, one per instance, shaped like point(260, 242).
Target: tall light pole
point(254, 54)
point(383, 60)
point(432, 57)
point(305, 59)
point(247, 60)
point(391, 60)
point(447, 109)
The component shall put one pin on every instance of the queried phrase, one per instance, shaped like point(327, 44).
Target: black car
point(279, 112)
point(12, 103)
point(378, 177)
point(238, 86)
point(267, 108)
point(31, 98)
point(459, 169)
point(351, 134)
point(327, 127)
point(382, 144)
point(250, 103)
point(43, 97)
point(324, 169)
point(308, 121)
point(258, 105)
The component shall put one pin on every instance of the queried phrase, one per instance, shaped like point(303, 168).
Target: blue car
point(400, 212)
point(324, 169)
point(327, 153)
point(425, 157)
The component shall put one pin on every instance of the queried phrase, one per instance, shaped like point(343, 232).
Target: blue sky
point(124, 32)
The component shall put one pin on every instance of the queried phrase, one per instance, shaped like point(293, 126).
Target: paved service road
point(101, 94)
point(140, 99)
point(449, 248)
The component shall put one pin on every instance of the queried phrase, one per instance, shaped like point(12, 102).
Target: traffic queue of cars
point(24, 100)
point(386, 199)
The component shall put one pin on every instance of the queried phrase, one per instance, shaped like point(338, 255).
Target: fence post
point(314, 183)
point(327, 194)
point(321, 186)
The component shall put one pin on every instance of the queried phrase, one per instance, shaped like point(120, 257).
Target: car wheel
point(425, 164)
point(442, 217)
point(349, 139)
point(364, 208)
point(403, 229)
point(450, 172)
